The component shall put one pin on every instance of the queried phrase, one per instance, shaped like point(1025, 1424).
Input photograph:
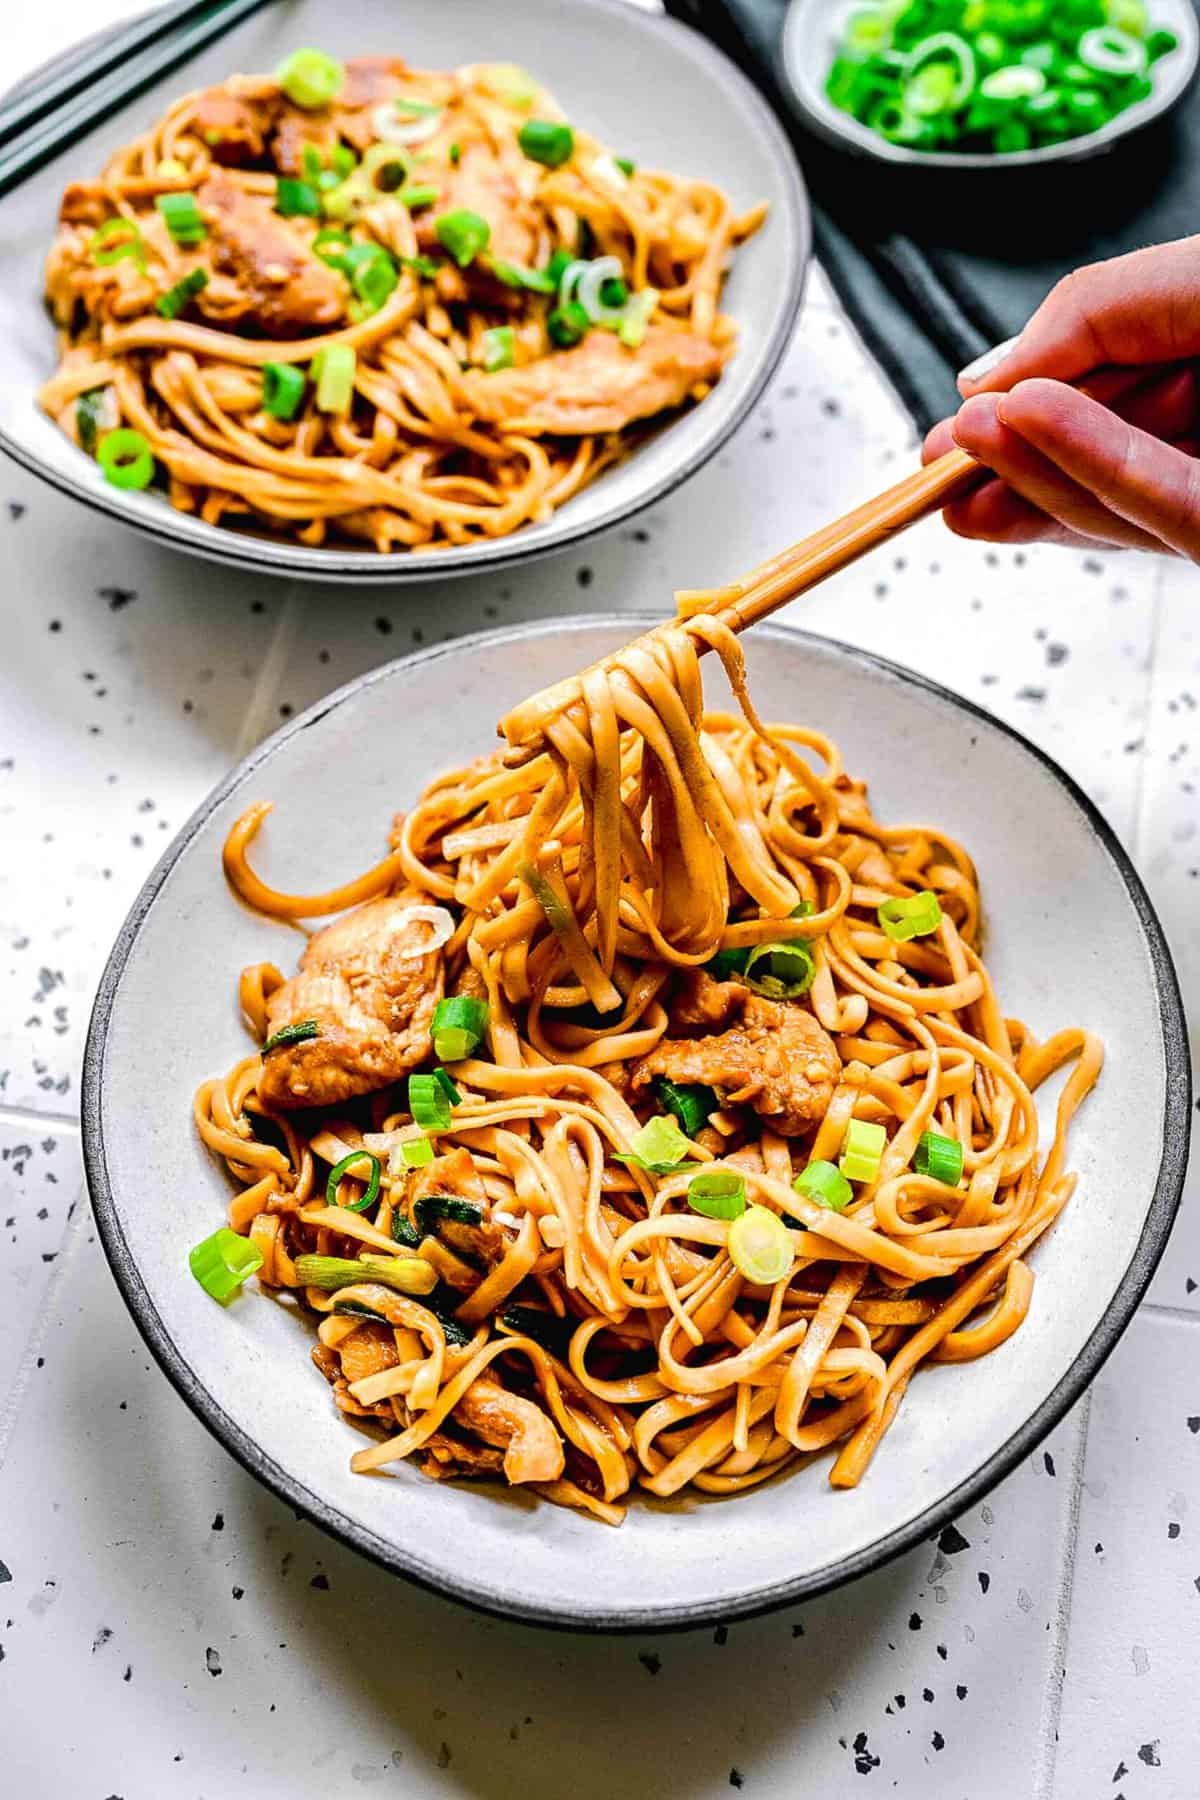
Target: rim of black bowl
point(268, 555)
point(399, 1558)
point(848, 135)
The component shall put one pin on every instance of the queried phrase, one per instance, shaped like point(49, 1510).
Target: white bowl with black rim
point(810, 36)
point(1071, 938)
point(657, 90)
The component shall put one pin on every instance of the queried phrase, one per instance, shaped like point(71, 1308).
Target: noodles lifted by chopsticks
point(402, 305)
point(735, 1134)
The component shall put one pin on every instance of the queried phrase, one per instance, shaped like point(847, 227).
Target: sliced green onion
point(916, 916)
point(1160, 43)
point(537, 281)
point(428, 1103)
point(568, 325)
point(1016, 81)
point(416, 194)
point(690, 1102)
point(126, 459)
point(183, 217)
point(95, 411)
point(420, 265)
point(455, 154)
point(176, 298)
point(347, 1167)
point(724, 963)
point(436, 1209)
point(821, 1182)
point(310, 79)
point(760, 1246)
point(938, 46)
point(558, 265)
point(407, 1274)
point(862, 1150)
point(499, 352)
point(544, 141)
point(637, 314)
point(417, 109)
point(941, 1158)
point(781, 971)
point(291, 1034)
point(466, 1016)
point(343, 161)
point(333, 370)
point(222, 1262)
point(283, 389)
point(446, 1082)
point(373, 279)
point(416, 1153)
point(115, 240)
point(1112, 52)
point(296, 199)
point(626, 164)
point(331, 245)
point(721, 1195)
point(464, 234)
point(657, 1148)
point(311, 165)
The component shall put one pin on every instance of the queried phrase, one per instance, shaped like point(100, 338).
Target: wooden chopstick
point(63, 83)
point(96, 89)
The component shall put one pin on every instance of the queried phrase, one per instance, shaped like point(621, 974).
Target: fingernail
point(991, 359)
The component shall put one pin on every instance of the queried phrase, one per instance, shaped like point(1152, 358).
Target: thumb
point(1143, 480)
point(1135, 309)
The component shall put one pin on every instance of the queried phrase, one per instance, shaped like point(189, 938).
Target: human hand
point(1118, 464)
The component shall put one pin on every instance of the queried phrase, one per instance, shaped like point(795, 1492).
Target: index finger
point(1136, 309)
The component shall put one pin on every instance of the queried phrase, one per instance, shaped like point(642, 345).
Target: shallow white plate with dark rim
point(810, 33)
point(653, 88)
point(1072, 939)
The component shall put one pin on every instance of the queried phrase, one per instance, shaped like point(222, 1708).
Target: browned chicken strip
point(234, 129)
point(599, 386)
point(532, 1447)
point(771, 1054)
point(284, 287)
point(365, 983)
point(455, 1174)
point(480, 183)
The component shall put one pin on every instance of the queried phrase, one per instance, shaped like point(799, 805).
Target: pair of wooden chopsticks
point(49, 116)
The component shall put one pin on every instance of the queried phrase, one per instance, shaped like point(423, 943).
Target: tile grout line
point(10, 1406)
point(32, 1118)
point(1046, 1755)
point(254, 722)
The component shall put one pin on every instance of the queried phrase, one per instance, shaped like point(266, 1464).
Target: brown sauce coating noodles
point(594, 1333)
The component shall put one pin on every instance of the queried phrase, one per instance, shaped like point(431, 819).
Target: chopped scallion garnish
point(183, 217)
point(291, 1034)
point(333, 370)
point(114, 240)
point(428, 1103)
point(407, 1274)
point(222, 1262)
point(941, 1158)
point(296, 199)
point(821, 1182)
point(459, 1022)
point(350, 1165)
point(781, 971)
point(547, 142)
point(126, 459)
point(283, 389)
point(916, 916)
point(760, 1246)
point(658, 1148)
point(862, 1150)
point(721, 1195)
point(464, 234)
point(690, 1102)
point(176, 298)
point(499, 351)
point(310, 79)
point(416, 1153)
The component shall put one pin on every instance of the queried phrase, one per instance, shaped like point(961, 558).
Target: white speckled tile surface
point(166, 1627)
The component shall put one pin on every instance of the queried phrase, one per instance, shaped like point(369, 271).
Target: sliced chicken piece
point(366, 984)
point(296, 129)
point(368, 1351)
point(771, 1054)
point(700, 1003)
point(447, 1457)
point(482, 184)
point(370, 80)
point(532, 1447)
point(284, 287)
point(600, 385)
point(234, 129)
point(455, 1175)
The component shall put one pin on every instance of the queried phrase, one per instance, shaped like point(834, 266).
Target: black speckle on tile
point(218, 1523)
point(942, 1651)
point(117, 597)
point(900, 1700)
point(914, 1621)
point(237, 1592)
point(721, 1636)
point(1193, 1424)
point(797, 1629)
point(383, 626)
point(1148, 1753)
point(1173, 1529)
point(5, 1572)
point(831, 407)
point(1048, 1462)
point(258, 606)
point(443, 1756)
point(938, 1741)
point(960, 1691)
point(15, 510)
point(927, 1696)
point(55, 625)
point(212, 1661)
point(584, 577)
point(1036, 694)
point(1091, 565)
point(286, 709)
point(1099, 1549)
point(651, 1662)
point(864, 1762)
point(736, 1778)
point(128, 1675)
point(101, 1638)
point(1119, 1771)
point(1056, 653)
point(320, 1581)
point(952, 1541)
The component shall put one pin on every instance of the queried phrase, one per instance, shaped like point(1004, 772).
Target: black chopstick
point(97, 89)
point(37, 98)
